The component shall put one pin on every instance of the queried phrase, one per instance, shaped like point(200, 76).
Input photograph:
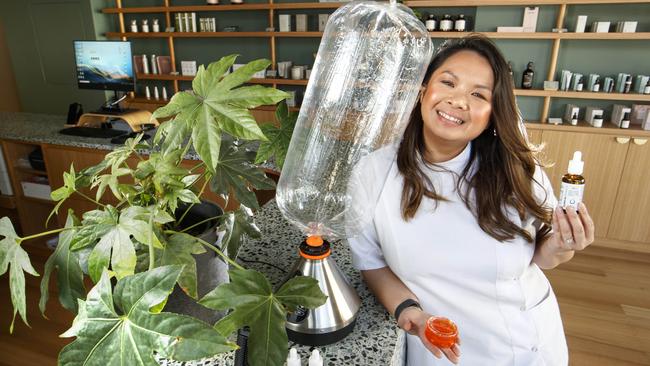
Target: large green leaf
point(178, 251)
point(12, 256)
point(254, 304)
point(236, 224)
point(206, 136)
point(278, 141)
point(215, 106)
point(236, 172)
point(122, 329)
point(111, 232)
point(69, 274)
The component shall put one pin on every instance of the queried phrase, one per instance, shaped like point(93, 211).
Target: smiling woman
point(463, 223)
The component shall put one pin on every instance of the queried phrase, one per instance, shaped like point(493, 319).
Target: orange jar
point(441, 332)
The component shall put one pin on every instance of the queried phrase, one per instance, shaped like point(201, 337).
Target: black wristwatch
point(405, 304)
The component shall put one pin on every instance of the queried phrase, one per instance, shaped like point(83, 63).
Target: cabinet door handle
point(639, 141)
point(622, 140)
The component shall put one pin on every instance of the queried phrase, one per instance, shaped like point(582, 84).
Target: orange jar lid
point(441, 332)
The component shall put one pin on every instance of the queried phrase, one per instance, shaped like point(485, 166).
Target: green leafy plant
point(135, 250)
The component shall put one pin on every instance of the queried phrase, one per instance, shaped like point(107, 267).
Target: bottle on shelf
point(430, 23)
point(446, 24)
point(155, 26)
point(460, 25)
point(528, 77)
point(145, 26)
point(236, 2)
point(512, 76)
point(574, 119)
point(134, 26)
point(212, 2)
point(145, 64)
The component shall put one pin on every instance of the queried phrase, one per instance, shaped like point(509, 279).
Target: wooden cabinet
point(31, 211)
point(617, 171)
point(604, 160)
point(632, 209)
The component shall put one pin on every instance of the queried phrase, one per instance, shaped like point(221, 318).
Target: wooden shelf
point(163, 102)
point(8, 202)
point(38, 200)
point(30, 171)
point(639, 36)
point(269, 81)
point(582, 95)
point(607, 129)
point(445, 3)
point(335, 5)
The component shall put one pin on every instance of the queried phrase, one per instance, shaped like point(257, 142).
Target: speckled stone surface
point(376, 340)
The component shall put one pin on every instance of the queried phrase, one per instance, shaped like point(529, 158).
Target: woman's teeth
point(450, 118)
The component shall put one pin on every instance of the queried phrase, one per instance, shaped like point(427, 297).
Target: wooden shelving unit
point(271, 7)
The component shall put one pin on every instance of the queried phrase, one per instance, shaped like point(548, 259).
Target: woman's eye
point(479, 95)
point(447, 82)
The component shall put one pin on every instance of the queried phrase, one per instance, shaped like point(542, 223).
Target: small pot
point(211, 270)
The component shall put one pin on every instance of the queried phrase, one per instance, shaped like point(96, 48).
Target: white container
point(285, 22)
point(510, 29)
point(530, 18)
point(581, 24)
point(600, 27)
point(36, 190)
point(301, 22)
point(629, 27)
point(322, 21)
point(5, 182)
point(188, 68)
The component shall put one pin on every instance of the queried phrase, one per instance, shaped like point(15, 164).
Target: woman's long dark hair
point(505, 162)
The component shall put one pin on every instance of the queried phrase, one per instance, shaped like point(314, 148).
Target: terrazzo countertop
point(375, 340)
point(44, 129)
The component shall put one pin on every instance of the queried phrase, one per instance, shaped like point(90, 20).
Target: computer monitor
point(104, 65)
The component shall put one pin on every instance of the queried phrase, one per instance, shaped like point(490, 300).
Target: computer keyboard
point(92, 132)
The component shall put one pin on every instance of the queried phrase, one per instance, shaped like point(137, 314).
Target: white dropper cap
point(315, 359)
point(293, 359)
point(576, 164)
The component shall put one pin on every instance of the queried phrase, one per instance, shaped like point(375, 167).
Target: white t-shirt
point(505, 309)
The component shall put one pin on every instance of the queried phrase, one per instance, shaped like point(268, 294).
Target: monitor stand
point(112, 107)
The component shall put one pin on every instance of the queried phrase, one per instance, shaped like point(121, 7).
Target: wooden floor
point(604, 298)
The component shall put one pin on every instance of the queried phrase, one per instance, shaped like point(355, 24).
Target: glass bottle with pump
point(512, 77)
point(528, 77)
point(573, 183)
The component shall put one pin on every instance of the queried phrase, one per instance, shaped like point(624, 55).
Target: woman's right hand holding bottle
point(414, 321)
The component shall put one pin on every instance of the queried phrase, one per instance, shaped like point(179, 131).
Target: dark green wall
point(584, 56)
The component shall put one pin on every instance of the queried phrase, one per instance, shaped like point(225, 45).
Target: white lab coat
point(505, 309)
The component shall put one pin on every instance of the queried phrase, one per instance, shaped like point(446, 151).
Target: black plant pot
point(211, 269)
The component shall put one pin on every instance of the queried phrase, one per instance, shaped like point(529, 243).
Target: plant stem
point(200, 222)
point(152, 260)
point(214, 248)
point(200, 193)
point(47, 233)
point(90, 199)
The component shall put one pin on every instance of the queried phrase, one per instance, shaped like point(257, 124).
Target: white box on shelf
point(5, 182)
point(285, 22)
point(510, 29)
point(530, 18)
point(301, 22)
point(581, 24)
point(594, 116)
point(322, 21)
point(641, 115)
point(36, 190)
point(188, 68)
point(629, 27)
point(600, 27)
